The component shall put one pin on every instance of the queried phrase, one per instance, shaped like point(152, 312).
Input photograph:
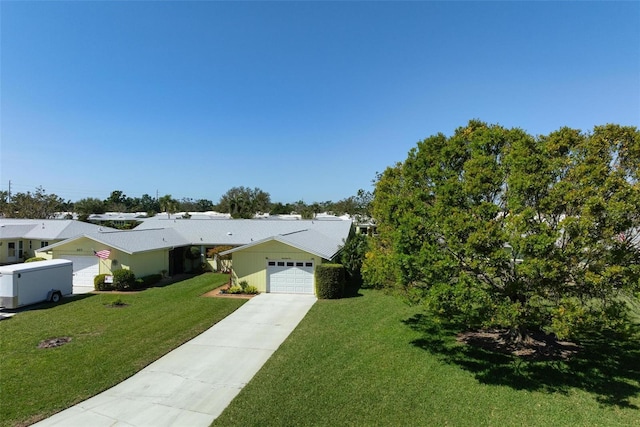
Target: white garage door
point(85, 268)
point(291, 277)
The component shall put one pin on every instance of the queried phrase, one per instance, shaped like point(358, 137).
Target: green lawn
point(371, 360)
point(108, 344)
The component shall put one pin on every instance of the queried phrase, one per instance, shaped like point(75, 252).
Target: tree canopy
point(240, 202)
point(244, 202)
point(500, 228)
point(37, 205)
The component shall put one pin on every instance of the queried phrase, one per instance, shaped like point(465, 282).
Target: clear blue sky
point(305, 100)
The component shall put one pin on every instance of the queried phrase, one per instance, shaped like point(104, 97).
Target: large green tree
point(37, 205)
point(168, 204)
point(500, 228)
point(89, 205)
point(244, 202)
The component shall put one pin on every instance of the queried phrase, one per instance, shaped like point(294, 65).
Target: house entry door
point(11, 252)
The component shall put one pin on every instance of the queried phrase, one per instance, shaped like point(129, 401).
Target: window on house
point(280, 263)
point(43, 244)
point(272, 263)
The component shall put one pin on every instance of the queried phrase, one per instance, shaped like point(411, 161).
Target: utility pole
point(9, 196)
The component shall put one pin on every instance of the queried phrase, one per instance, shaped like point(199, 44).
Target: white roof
point(245, 231)
point(132, 241)
point(323, 238)
point(312, 241)
point(45, 229)
point(118, 216)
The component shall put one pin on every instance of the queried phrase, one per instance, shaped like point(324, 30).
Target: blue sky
point(305, 100)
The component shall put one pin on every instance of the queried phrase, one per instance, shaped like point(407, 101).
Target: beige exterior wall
point(80, 247)
point(251, 264)
point(146, 263)
point(142, 264)
point(28, 247)
point(4, 251)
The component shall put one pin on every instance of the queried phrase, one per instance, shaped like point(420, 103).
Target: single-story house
point(273, 255)
point(117, 218)
point(145, 252)
point(286, 262)
point(20, 238)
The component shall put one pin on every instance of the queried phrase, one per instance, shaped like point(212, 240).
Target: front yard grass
point(109, 342)
point(374, 361)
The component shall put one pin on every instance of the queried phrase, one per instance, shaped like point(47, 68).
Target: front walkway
point(194, 383)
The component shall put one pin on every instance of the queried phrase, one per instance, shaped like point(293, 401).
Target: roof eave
point(278, 239)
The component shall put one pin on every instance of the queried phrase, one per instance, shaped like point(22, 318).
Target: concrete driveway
point(192, 385)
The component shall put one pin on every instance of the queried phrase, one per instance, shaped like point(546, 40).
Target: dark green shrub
point(124, 280)
point(243, 284)
point(35, 258)
point(99, 283)
point(352, 256)
point(330, 281)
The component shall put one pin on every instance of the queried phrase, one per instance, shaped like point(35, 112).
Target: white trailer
point(32, 282)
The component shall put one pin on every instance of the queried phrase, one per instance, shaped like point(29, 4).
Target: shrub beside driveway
point(107, 339)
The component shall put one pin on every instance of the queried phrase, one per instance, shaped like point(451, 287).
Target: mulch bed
point(536, 346)
point(217, 293)
point(54, 342)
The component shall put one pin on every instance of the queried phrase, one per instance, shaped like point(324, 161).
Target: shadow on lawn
point(351, 290)
point(607, 366)
point(46, 304)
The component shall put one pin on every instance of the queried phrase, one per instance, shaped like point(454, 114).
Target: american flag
point(104, 254)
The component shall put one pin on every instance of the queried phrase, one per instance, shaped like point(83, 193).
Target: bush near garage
point(330, 281)
point(35, 258)
point(251, 290)
point(99, 283)
point(235, 289)
point(124, 280)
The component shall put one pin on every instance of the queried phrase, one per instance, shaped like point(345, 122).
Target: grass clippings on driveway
point(106, 345)
point(374, 361)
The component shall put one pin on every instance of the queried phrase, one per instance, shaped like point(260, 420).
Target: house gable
point(250, 262)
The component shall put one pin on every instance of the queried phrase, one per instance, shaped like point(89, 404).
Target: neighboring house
point(119, 219)
point(369, 228)
point(286, 262)
point(163, 216)
point(20, 238)
point(273, 255)
point(144, 252)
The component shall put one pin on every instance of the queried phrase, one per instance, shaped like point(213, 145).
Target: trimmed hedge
point(330, 281)
point(99, 283)
point(35, 258)
point(124, 280)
